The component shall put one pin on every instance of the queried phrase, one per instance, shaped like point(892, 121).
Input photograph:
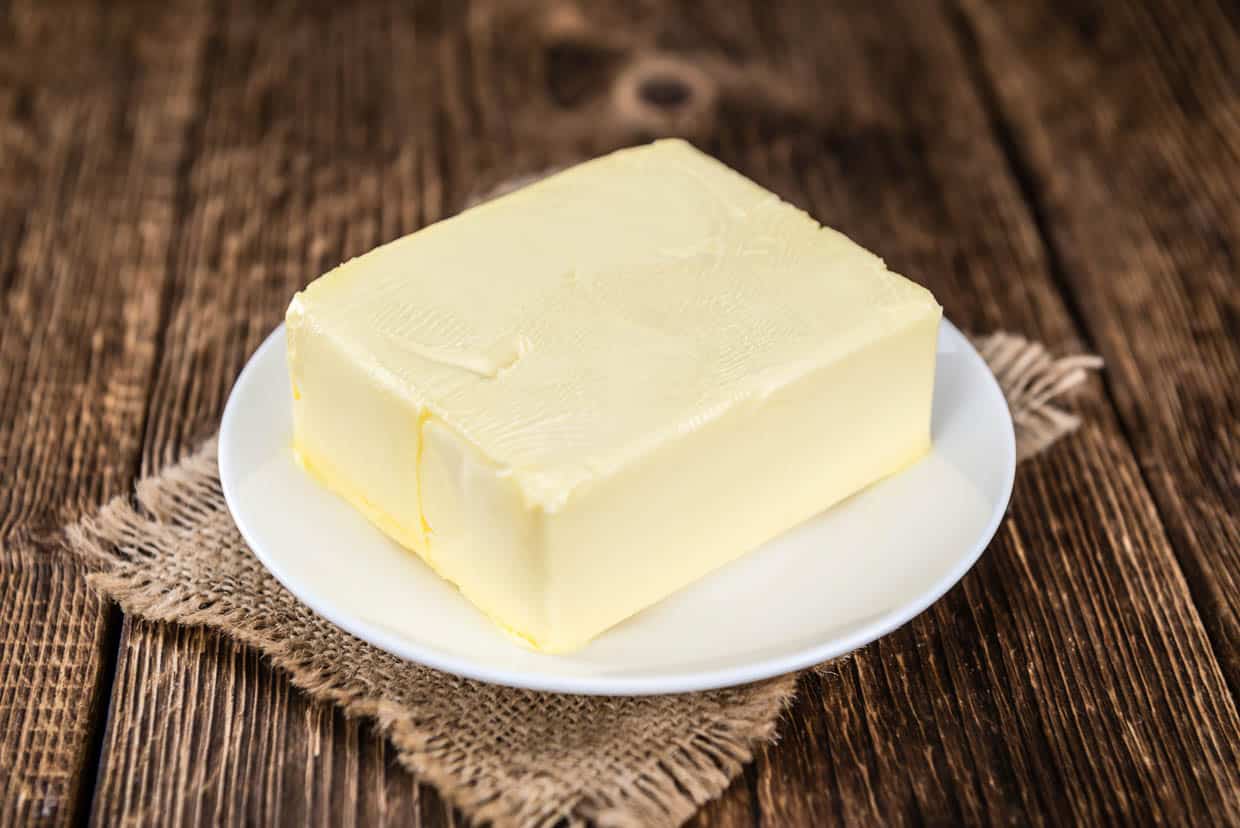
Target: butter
point(580, 397)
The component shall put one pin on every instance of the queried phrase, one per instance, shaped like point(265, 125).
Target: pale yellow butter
point(576, 399)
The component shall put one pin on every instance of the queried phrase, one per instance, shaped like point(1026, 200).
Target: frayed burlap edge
point(1031, 380)
point(513, 757)
point(507, 756)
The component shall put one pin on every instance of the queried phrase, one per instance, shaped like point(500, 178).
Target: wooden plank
point(94, 107)
point(315, 148)
point(100, 110)
point(214, 737)
point(1068, 678)
point(52, 663)
point(1125, 118)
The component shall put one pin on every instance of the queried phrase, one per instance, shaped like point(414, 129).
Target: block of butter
point(578, 398)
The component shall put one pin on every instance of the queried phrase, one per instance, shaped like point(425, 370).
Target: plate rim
point(643, 685)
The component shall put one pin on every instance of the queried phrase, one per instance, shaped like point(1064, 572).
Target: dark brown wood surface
point(170, 172)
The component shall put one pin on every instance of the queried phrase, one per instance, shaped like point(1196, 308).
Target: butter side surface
point(580, 397)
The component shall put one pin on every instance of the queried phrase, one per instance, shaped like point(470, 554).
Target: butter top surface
point(571, 327)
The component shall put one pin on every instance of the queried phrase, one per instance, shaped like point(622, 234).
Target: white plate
point(837, 582)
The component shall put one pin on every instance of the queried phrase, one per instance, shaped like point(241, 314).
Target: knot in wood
point(664, 95)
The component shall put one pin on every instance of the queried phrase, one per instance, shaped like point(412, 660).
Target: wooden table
point(170, 172)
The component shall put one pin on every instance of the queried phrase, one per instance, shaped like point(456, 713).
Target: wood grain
point(52, 662)
point(1125, 121)
point(1068, 679)
point(212, 737)
point(93, 109)
point(1055, 682)
point(297, 168)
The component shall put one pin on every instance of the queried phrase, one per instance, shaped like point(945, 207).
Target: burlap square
point(513, 757)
